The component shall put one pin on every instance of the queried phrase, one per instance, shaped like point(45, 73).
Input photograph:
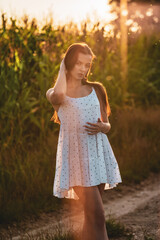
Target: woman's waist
point(79, 121)
point(77, 125)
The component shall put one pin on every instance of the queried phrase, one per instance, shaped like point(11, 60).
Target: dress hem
point(74, 196)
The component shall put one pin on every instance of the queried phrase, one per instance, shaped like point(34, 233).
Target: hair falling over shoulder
point(70, 59)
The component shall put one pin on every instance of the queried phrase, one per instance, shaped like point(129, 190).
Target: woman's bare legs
point(94, 227)
point(101, 188)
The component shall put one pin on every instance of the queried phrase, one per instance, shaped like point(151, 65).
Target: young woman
point(85, 162)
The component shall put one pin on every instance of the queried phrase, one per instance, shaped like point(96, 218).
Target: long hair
point(70, 59)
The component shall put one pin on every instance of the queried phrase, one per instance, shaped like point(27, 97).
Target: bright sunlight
point(61, 11)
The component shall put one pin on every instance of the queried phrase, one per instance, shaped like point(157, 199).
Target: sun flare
point(61, 11)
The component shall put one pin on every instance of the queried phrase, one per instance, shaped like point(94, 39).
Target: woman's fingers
point(92, 124)
point(92, 133)
point(92, 130)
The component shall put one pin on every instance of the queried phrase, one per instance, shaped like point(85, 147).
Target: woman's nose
point(83, 68)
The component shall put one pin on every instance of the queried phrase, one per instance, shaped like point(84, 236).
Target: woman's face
point(81, 66)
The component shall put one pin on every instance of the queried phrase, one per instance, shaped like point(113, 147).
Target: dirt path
point(145, 220)
point(137, 206)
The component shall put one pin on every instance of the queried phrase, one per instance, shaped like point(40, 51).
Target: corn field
point(29, 64)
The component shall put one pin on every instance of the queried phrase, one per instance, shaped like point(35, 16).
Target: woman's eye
point(79, 64)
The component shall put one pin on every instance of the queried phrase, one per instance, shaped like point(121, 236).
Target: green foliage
point(144, 70)
point(26, 181)
point(135, 140)
point(116, 229)
point(30, 60)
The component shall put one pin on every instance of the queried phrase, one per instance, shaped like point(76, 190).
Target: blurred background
point(125, 37)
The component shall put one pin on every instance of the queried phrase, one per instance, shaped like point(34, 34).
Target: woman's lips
point(80, 74)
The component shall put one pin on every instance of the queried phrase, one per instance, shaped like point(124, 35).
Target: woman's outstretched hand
point(100, 126)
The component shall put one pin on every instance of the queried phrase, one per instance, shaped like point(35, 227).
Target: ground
point(136, 206)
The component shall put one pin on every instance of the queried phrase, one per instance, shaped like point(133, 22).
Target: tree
point(124, 46)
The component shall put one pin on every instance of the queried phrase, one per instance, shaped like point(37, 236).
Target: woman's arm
point(102, 125)
point(106, 124)
point(56, 95)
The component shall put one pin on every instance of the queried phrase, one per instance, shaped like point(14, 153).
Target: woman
point(85, 162)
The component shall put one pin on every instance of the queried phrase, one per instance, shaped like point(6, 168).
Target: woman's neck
point(74, 84)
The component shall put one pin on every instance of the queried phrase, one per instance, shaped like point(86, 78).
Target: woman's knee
point(92, 203)
point(93, 206)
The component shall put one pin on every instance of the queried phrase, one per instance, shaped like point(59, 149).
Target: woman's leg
point(94, 227)
point(101, 188)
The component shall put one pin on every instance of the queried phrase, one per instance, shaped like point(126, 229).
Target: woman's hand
point(100, 126)
point(63, 67)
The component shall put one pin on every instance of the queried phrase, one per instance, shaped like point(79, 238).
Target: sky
point(62, 11)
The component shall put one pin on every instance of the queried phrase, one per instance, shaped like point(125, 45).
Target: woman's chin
point(79, 78)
